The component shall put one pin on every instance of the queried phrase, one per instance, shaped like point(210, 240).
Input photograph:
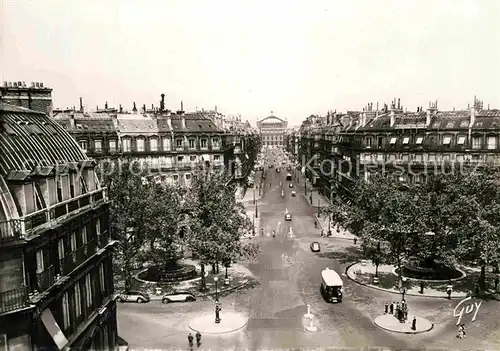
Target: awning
point(53, 328)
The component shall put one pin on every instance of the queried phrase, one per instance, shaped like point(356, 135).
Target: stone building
point(35, 96)
point(272, 130)
point(56, 279)
point(407, 145)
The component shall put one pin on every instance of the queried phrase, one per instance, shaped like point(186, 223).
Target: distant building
point(407, 145)
point(34, 96)
point(56, 278)
point(272, 130)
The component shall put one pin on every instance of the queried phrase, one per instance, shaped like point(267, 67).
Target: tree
point(217, 220)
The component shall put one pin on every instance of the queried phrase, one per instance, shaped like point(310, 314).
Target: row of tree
point(157, 222)
point(453, 218)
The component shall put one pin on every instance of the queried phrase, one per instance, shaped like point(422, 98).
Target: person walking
point(190, 339)
point(198, 339)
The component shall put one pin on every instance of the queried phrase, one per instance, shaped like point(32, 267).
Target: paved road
point(289, 277)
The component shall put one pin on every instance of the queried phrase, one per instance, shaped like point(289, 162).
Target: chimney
point(152, 107)
point(81, 104)
point(72, 120)
point(134, 109)
point(399, 103)
point(182, 106)
point(97, 108)
point(183, 122)
point(144, 108)
point(215, 108)
point(393, 118)
point(328, 118)
point(472, 116)
point(488, 106)
point(162, 102)
point(363, 119)
point(106, 105)
point(121, 108)
point(428, 118)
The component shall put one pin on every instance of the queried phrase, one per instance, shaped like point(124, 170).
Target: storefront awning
point(53, 328)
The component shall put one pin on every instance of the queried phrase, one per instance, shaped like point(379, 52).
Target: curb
point(224, 332)
point(397, 292)
point(404, 332)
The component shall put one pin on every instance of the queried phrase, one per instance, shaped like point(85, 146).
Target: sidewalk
point(388, 281)
point(391, 323)
point(337, 231)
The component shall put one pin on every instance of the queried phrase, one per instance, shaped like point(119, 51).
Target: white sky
point(251, 57)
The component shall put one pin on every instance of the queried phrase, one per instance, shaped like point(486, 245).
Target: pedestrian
point(463, 330)
point(355, 240)
point(496, 283)
point(414, 323)
point(392, 308)
point(198, 339)
point(397, 308)
point(386, 308)
point(190, 339)
point(449, 288)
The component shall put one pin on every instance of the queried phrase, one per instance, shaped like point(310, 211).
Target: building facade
point(56, 279)
point(272, 131)
point(407, 145)
point(34, 96)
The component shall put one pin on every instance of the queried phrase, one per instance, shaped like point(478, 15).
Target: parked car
point(288, 217)
point(133, 296)
point(294, 193)
point(315, 247)
point(178, 296)
point(278, 170)
point(290, 185)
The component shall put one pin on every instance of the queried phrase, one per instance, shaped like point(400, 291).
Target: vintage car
point(294, 193)
point(315, 247)
point(178, 296)
point(133, 296)
point(288, 217)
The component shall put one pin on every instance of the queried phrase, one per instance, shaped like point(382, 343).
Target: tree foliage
point(218, 221)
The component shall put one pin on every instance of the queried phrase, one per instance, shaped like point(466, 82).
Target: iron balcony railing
point(13, 299)
point(68, 263)
point(45, 279)
point(20, 228)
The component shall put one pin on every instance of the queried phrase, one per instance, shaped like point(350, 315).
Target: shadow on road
point(348, 255)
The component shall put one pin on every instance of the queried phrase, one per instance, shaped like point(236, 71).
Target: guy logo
point(461, 308)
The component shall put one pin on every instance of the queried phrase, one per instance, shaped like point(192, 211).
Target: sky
point(292, 57)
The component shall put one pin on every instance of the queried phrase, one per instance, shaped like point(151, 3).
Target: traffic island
point(390, 323)
point(229, 322)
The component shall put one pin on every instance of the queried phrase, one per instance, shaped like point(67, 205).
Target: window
point(215, 143)
point(380, 142)
point(65, 310)
point(112, 145)
point(77, 293)
point(192, 158)
point(460, 158)
point(167, 144)
point(127, 145)
point(180, 158)
point(101, 278)
point(60, 248)
point(406, 140)
point(72, 185)
point(39, 201)
point(461, 140)
point(393, 141)
point(476, 142)
point(406, 157)
point(368, 142)
point(216, 157)
point(175, 177)
point(446, 140)
point(492, 142)
point(59, 189)
point(39, 261)
point(84, 235)
point(83, 144)
point(153, 144)
point(418, 157)
point(98, 145)
point(432, 157)
point(178, 143)
point(140, 144)
point(98, 226)
point(73, 242)
point(187, 176)
point(192, 143)
point(88, 290)
point(83, 184)
point(204, 143)
point(419, 140)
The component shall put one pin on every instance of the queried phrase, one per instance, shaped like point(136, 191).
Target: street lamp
point(253, 228)
point(254, 195)
point(216, 279)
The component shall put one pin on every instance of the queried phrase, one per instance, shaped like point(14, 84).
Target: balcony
point(13, 299)
point(45, 279)
point(68, 263)
point(16, 229)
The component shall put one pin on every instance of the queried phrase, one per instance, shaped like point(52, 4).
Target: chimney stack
point(472, 116)
point(106, 105)
point(393, 118)
point(81, 104)
point(121, 108)
point(134, 109)
point(182, 106)
point(183, 122)
point(428, 118)
point(162, 102)
point(328, 118)
point(399, 103)
point(143, 108)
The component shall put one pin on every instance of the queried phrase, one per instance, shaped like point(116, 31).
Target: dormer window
point(406, 140)
point(393, 140)
point(178, 143)
point(126, 145)
point(447, 140)
point(368, 142)
point(461, 140)
point(83, 145)
point(492, 143)
point(153, 144)
point(166, 144)
point(203, 143)
point(419, 140)
point(192, 143)
point(140, 144)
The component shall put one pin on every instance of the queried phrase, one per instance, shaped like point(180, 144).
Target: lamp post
point(318, 205)
point(254, 195)
point(256, 211)
point(253, 228)
point(216, 279)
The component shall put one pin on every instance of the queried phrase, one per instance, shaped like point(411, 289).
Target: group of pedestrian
point(461, 331)
point(400, 311)
point(198, 339)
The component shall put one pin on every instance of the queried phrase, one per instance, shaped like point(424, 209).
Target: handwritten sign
point(466, 307)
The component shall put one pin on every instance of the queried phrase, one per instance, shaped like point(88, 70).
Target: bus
point(331, 285)
point(289, 177)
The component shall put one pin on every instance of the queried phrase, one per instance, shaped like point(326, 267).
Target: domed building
point(272, 130)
